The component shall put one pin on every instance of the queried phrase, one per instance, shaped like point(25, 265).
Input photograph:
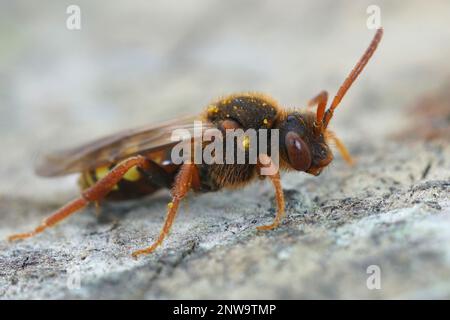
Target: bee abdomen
point(135, 183)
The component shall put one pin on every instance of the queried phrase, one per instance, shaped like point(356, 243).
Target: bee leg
point(181, 187)
point(276, 181)
point(92, 194)
point(341, 147)
point(98, 209)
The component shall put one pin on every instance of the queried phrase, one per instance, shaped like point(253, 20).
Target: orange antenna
point(352, 76)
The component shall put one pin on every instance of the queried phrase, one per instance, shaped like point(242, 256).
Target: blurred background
point(141, 62)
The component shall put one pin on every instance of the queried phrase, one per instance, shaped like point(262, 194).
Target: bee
point(138, 162)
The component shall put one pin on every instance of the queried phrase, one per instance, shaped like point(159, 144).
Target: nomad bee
point(136, 163)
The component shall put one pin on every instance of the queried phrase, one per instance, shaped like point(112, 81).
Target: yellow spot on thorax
point(246, 142)
point(213, 109)
point(265, 121)
point(170, 205)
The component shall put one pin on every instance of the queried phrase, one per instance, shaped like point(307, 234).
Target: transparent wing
point(116, 147)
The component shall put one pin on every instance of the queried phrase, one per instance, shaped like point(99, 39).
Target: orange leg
point(341, 147)
point(92, 194)
point(183, 181)
point(276, 181)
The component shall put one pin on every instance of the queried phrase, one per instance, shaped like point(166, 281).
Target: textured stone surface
point(134, 65)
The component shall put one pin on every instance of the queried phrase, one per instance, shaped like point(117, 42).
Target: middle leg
point(183, 181)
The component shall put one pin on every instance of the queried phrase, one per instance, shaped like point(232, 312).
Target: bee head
point(300, 147)
point(302, 135)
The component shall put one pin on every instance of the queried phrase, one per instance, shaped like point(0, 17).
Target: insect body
point(138, 162)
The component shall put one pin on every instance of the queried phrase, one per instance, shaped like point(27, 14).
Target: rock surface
point(134, 65)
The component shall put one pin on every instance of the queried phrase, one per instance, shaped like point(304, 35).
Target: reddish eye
point(298, 152)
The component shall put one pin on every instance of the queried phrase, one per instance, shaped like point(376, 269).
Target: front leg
point(265, 161)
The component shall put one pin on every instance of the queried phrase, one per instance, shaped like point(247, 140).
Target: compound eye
point(298, 152)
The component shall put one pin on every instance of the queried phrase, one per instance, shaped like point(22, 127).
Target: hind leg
point(93, 194)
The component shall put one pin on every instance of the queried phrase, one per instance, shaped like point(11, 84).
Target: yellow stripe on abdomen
point(88, 179)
